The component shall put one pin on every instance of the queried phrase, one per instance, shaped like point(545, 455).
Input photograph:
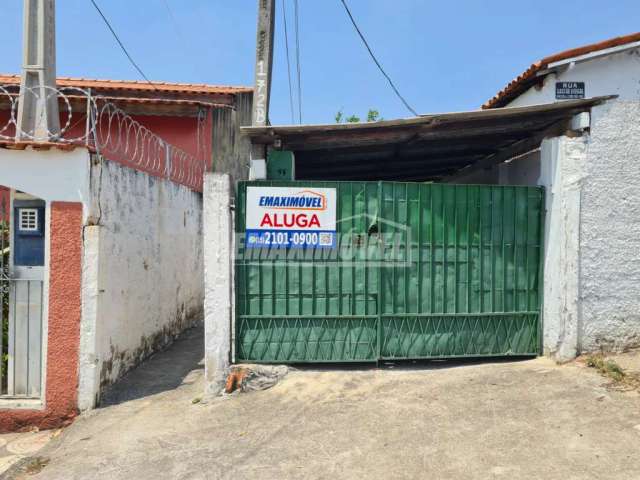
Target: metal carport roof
point(424, 148)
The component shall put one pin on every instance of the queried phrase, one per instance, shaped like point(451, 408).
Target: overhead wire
point(122, 47)
point(298, 68)
point(173, 19)
point(186, 42)
point(286, 43)
point(366, 44)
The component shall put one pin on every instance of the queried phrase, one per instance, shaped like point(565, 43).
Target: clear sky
point(444, 55)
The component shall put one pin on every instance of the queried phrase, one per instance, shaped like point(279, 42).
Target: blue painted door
point(28, 234)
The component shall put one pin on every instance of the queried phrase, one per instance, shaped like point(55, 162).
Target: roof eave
point(536, 72)
point(271, 132)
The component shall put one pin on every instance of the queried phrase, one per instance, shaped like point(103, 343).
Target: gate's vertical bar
point(353, 261)
point(492, 256)
point(242, 199)
point(273, 284)
point(380, 275)
point(300, 289)
point(432, 252)
point(445, 250)
point(456, 247)
point(541, 254)
point(419, 272)
point(407, 250)
point(339, 246)
point(314, 295)
point(481, 249)
point(468, 190)
point(365, 249)
point(286, 283)
point(394, 288)
point(516, 190)
point(503, 214)
point(327, 256)
point(526, 254)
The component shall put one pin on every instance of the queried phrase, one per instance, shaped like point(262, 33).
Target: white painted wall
point(610, 230)
point(51, 175)
point(616, 74)
point(594, 213)
point(48, 174)
point(143, 272)
point(562, 163)
point(218, 266)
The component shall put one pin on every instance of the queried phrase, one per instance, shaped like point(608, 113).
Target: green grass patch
point(606, 367)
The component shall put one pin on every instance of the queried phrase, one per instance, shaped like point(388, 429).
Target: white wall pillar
point(562, 173)
point(218, 264)
point(89, 370)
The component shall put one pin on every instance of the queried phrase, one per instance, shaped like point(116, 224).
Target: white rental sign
point(290, 217)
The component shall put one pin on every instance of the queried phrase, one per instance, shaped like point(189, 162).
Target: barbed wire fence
point(97, 123)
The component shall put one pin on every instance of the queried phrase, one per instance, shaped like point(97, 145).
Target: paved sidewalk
point(15, 447)
point(515, 420)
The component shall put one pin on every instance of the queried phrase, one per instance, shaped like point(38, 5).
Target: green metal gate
point(420, 271)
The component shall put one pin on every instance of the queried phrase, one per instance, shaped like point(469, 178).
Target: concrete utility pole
point(264, 63)
point(38, 105)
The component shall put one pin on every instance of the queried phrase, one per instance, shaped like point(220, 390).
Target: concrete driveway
point(526, 419)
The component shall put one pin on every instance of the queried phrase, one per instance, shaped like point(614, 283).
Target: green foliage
point(372, 116)
point(608, 368)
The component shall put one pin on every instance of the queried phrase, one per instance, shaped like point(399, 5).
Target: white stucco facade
point(615, 74)
point(592, 274)
point(142, 272)
point(52, 175)
point(610, 230)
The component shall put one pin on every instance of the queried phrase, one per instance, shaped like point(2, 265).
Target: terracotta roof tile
point(140, 86)
point(529, 77)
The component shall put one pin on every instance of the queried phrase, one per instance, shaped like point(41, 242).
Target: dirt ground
point(462, 420)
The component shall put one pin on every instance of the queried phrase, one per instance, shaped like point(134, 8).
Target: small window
point(29, 219)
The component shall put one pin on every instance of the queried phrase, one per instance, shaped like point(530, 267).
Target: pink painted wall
point(123, 146)
point(65, 274)
point(181, 132)
point(136, 151)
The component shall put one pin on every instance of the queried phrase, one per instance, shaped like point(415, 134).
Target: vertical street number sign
point(290, 217)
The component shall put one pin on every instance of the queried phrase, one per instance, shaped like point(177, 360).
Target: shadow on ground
point(165, 370)
point(485, 419)
point(423, 364)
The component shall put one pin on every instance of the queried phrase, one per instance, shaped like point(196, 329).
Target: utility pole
point(38, 116)
point(264, 63)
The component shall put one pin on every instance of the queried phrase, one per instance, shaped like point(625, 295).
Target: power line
point(366, 44)
point(172, 17)
point(297, 30)
point(115, 35)
point(286, 43)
